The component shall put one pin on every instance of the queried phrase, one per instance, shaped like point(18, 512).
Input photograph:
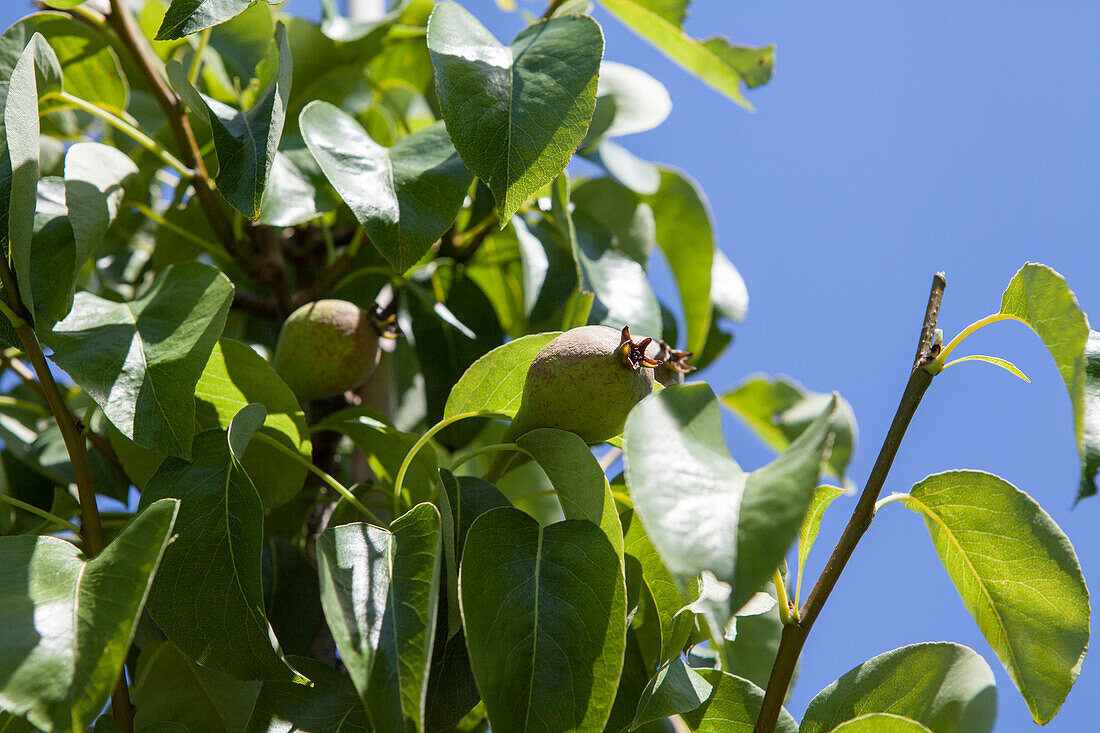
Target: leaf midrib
point(535, 630)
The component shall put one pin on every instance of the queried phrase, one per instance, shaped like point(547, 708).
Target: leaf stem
point(124, 127)
point(328, 479)
point(896, 496)
point(483, 450)
point(421, 442)
point(787, 614)
point(196, 60)
point(75, 529)
point(937, 365)
point(148, 212)
point(795, 634)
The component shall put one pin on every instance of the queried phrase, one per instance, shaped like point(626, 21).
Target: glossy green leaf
point(1040, 297)
point(406, 196)
point(297, 190)
point(577, 477)
point(208, 600)
point(1017, 574)
point(494, 383)
point(807, 533)
point(685, 234)
point(946, 687)
point(637, 174)
point(628, 101)
point(380, 592)
point(169, 687)
point(700, 510)
point(715, 61)
point(778, 409)
point(733, 707)
point(607, 206)
point(881, 723)
point(184, 17)
point(544, 610)
point(94, 179)
point(245, 141)
point(89, 65)
point(66, 622)
point(235, 376)
point(673, 626)
point(330, 705)
point(140, 361)
point(516, 114)
point(36, 72)
point(675, 689)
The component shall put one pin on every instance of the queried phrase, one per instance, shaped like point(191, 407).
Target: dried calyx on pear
point(673, 365)
point(585, 381)
point(328, 347)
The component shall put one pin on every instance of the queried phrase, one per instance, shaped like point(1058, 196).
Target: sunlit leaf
point(807, 533)
point(494, 383)
point(732, 707)
point(191, 16)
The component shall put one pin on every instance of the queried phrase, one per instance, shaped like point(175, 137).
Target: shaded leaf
point(778, 409)
point(297, 190)
point(67, 622)
point(733, 707)
point(235, 376)
point(637, 174)
point(807, 533)
point(380, 592)
point(208, 600)
point(515, 114)
point(544, 611)
point(169, 687)
point(628, 101)
point(330, 705)
point(947, 687)
point(94, 177)
point(245, 141)
point(675, 689)
point(140, 361)
point(605, 205)
point(715, 61)
point(1017, 574)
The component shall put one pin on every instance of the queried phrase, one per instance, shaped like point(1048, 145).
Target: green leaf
point(718, 64)
point(208, 600)
point(675, 689)
point(686, 237)
point(807, 533)
point(733, 707)
point(995, 361)
point(37, 72)
point(728, 293)
point(169, 687)
point(544, 610)
point(778, 409)
point(384, 447)
point(89, 65)
point(677, 466)
point(380, 592)
point(605, 205)
point(881, 723)
point(292, 592)
point(140, 361)
point(751, 654)
point(673, 626)
point(185, 17)
point(245, 141)
point(494, 383)
point(1017, 574)
point(637, 174)
point(946, 687)
point(235, 376)
point(330, 705)
point(1039, 297)
point(628, 101)
point(67, 622)
point(94, 179)
point(297, 190)
point(515, 114)
point(578, 479)
point(405, 196)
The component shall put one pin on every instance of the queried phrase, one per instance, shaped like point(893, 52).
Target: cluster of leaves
point(416, 162)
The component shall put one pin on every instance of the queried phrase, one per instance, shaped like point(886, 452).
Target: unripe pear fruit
point(327, 347)
point(585, 381)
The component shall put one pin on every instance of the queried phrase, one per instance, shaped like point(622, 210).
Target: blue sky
point(897, 139)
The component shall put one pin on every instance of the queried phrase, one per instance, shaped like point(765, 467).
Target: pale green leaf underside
point(995, 361)
point(807, 533)
point(733, 707)
point(66, 622)
point(1018, 576)
point(881, 723)
point(515, 114)
point(947, 687)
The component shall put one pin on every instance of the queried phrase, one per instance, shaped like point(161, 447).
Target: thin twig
point(794, 635)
